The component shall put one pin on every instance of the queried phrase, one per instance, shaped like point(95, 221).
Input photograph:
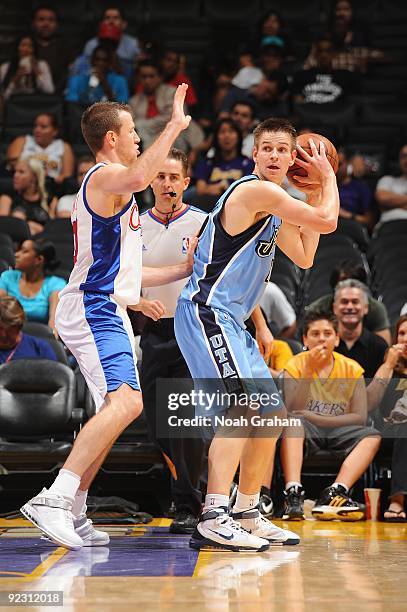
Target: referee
point(166, 228)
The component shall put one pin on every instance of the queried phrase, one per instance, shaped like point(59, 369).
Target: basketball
point(302, 140)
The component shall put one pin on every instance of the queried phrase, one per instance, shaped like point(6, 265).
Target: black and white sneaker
point(294, 504)
point(217, 530)
point(335, 503)
point(266, 505)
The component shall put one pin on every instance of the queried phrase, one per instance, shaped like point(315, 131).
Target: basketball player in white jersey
point(91, 316)
point(166, 229)
point(232, 263)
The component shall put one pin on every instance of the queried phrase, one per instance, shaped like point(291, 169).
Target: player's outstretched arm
point(118, 179)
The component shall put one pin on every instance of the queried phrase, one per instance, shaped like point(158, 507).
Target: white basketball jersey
point(107, 251)
point(166, 245)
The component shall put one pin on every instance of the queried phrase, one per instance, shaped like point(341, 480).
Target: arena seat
point(17, 229)
point(58, 230)
point(177, 11)
point(232, 11)
point(332, 248)
point(335, 114)
point(38, 415)
point(390, 228)
point(295, 11)
point(4, 266)
point(39, 330)
point(21, 110)
point(287, 276)
point(7, 254)
point(354, 230)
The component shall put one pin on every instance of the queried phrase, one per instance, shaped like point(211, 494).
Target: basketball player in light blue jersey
point(91, 315)
point(232, 264)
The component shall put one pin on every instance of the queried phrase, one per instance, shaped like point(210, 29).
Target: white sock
point(336, 484)
point(66, 484)
point(79, 503)
point(215, 500)
point(246, 502)
point(292, 483)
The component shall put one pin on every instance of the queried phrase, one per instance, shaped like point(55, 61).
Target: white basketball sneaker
point(217, 530)
point(52, 514)
point(255, 523)
point(84, 528)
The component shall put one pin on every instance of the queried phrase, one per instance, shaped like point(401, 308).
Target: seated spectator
point(101, 84)
point(391, 192)
point(351, 40)
point(388, 390)
point(152, 108)
point(55, 154)
point(242, 113)
point(322, 84)
point(228, 164)
point(173, 74)
point(25, 73)
point(64, 204)
point(51, 48)
point(112, 26)
point(30, 283)
point(270, 31)
point(326, 391)
point(376, 320)
point(350, 306)
point(29, 200)
point(14, 344)
point(279, 313)
point(264, 94)
point(356, 198)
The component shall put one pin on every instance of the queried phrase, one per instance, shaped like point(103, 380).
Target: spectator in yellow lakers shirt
point(326, 391)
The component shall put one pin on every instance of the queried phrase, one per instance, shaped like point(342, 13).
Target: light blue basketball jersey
point(230, 272)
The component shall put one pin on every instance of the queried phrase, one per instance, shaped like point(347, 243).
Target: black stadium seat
point(17, 229)
point(21, 110)
point(38, 414)
point(332, 249)
point(7, 254)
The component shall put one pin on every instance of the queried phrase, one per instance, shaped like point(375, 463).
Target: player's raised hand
point(179, 118)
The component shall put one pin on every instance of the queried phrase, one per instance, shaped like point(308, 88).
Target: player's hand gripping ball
point(297, 170)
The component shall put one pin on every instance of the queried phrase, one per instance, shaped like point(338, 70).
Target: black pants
point(163, 359)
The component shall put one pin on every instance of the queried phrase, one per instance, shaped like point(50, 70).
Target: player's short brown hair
point(11, 312)
point(275, 124)
point(99, 119)
point(179, 155)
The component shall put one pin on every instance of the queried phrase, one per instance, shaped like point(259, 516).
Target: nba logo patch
point(185, 244)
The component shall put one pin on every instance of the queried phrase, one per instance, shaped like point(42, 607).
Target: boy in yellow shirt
point(327, 391)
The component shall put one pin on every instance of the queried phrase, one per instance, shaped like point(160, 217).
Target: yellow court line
point(44, 566)
point(203, 559)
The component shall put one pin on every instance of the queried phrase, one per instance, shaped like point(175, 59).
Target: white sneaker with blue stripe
point(217, 530)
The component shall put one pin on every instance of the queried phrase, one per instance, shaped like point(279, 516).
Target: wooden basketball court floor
point(338, 566)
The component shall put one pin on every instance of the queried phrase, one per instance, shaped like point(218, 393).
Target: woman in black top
point(390, 390)
point(29, 200)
